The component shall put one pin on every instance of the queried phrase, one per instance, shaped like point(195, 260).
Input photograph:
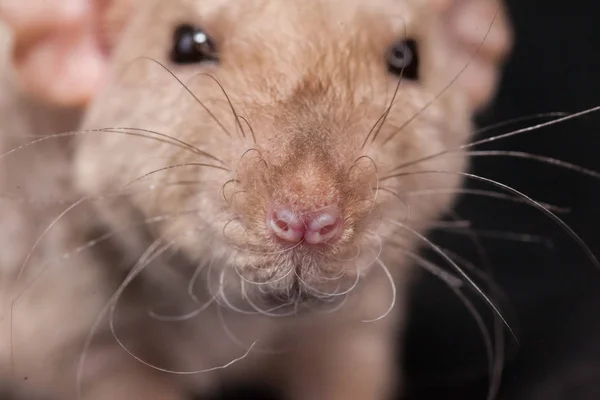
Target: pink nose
point(323, 226)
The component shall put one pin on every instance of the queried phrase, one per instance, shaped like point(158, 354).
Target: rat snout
point(322, 226)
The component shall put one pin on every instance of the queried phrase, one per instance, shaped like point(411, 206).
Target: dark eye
point(192, 45)
point(403, 60)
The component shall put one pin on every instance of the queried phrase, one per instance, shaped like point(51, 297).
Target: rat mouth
point(298, 300)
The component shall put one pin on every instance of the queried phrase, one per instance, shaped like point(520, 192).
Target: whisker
point(535, 157)
point(168, 167)
point(191, 94)
point(137, 358)
point(321, 294)
point(497, 362)
point(498, 137)
point(193, 281)
point(403, 201)
point(193, 313)
point(461, 272)
point(450, 279)
point(381, 120)
point(235, 114)
point(468, 265)
point(249, 127)
point(338, 307)
point(223, 297)
point(455, 285)
point(450, 224)
point(484, 193)
point(172, 140)
point(183, 317)
point(515, 236)
point(136, 270)
point(331, 257)
point(394, 294)
point(93, 242)
point(269, 312)
point(184, 145)
point(564, 226)
point(502, 124)
point(238, 342)
point(269, 282)
point(24, 264)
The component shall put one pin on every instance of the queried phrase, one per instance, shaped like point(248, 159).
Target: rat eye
point(403, 60)
point(192, 45)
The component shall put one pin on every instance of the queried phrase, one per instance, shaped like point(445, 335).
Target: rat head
point(269, 131)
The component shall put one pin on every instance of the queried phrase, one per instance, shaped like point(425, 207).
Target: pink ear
point(479, 29)
point(56, 51)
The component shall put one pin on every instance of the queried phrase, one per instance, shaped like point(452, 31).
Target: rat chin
point(300, 278)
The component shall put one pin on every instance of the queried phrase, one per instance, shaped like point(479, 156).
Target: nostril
point(286, 225)
point(324, 226)
point(282, 224)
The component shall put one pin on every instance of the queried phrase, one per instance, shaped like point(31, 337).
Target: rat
point(224, 187)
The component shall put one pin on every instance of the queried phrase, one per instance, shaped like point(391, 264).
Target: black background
point(553, 294)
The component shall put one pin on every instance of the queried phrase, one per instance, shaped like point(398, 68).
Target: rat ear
point(61, 48)
point(478, 33)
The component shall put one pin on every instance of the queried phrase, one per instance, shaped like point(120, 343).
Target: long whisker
point(515, 236)
point(468, 265)
point(24, 264)
point(269, 312)
point(193, 281)
point(484, 193)
point(499, 137)
point(434, 269)
point(238, 342)
point(103, 130)
point(193, 313)
point(564, 226)
point(455, 284)
point(191, 94)
point(136, 270)
point(257, 283)
point(235, 114)
point(38, 241)
point(394, 294)
point(225, 299)
point(488, 128)
point(534, 157)
point(403, 201)
point(111, 322)
point(461, 272)
point(94, 242)
point(497, 362)
point(185, 145)
point(168, 167)
point(183, 317)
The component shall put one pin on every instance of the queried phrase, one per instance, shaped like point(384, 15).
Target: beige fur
point(311, 93)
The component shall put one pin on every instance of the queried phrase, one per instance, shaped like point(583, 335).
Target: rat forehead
point(401, 14)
